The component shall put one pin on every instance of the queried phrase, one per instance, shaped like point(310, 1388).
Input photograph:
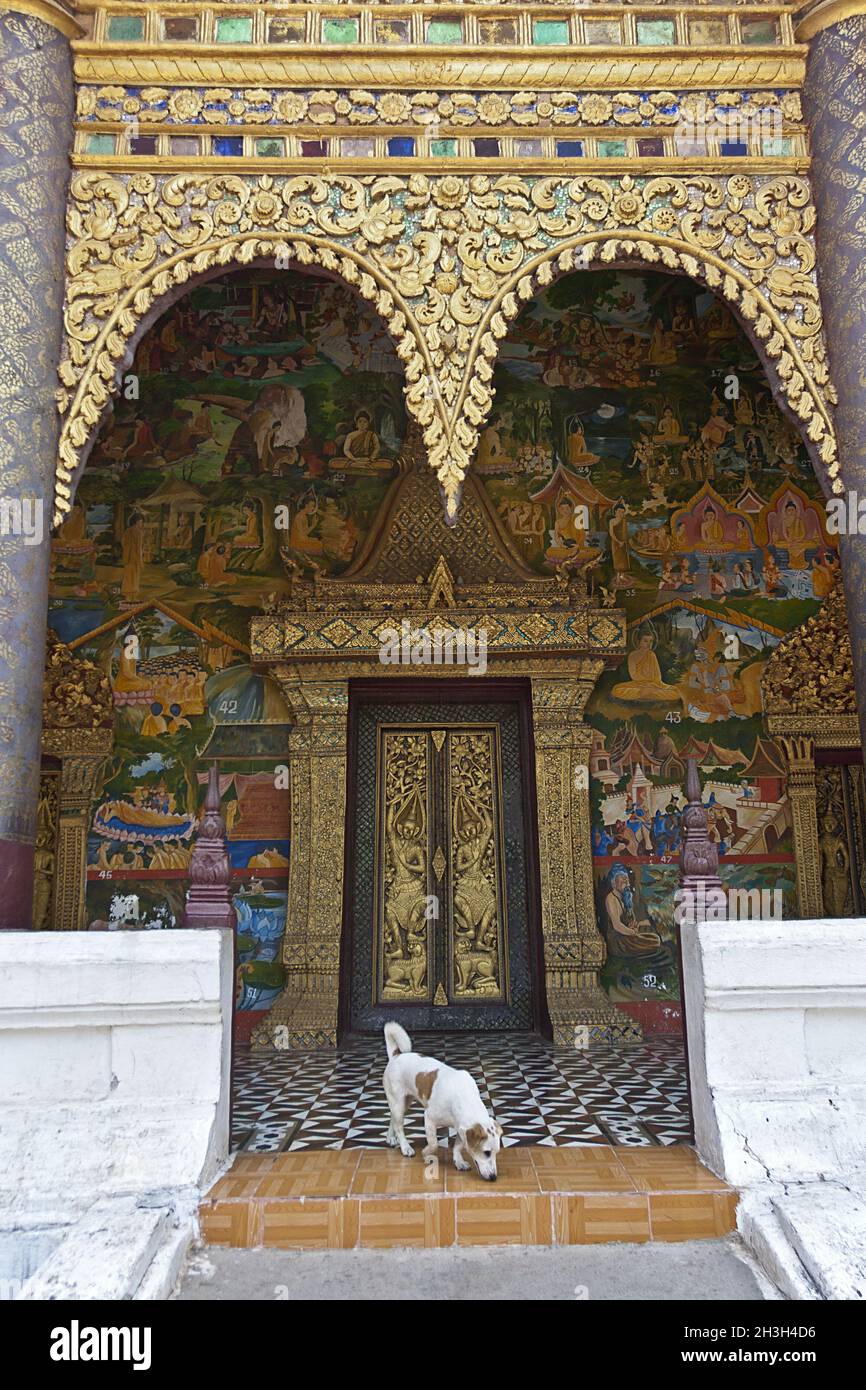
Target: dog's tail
point(396, 1040)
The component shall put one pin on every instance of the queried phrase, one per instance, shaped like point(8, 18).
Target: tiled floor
point(637, 1096)
point(543, 1196)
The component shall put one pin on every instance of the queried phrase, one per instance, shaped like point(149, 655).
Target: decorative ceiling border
point(448, 261)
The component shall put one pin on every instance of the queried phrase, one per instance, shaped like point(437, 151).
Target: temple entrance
point(441, 917)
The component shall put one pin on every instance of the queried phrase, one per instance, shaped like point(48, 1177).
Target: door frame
point(468, 690)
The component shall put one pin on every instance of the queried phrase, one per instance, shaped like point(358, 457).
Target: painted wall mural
point(633, 427)
point(255, 438)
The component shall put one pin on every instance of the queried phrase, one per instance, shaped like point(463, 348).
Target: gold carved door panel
point(440, 911)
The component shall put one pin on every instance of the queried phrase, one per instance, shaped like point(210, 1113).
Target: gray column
point(36, 112)
point(835, 102)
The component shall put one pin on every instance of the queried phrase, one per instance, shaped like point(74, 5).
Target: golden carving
point(840, 839)
point(447, 261)
point(529, 107)
point(799, 753)
point(77, 729)
point(479, 931)
point(809, 701)
point(76, 693)
point(808, 683)
point(46, 849)
point(401, 915)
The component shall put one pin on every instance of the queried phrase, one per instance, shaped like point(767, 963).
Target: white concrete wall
point(776, 1018)
point(114, 1063)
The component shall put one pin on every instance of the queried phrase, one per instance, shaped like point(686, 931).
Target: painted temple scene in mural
point(256, 439)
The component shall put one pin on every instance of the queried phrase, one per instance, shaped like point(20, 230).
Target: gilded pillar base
point(303, 1018)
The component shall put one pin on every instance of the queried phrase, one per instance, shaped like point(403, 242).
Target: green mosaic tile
point(612, 149)
point(101, 144)
point(443, 148)
point(444, 31)
point(550, 31)
point(655, 33)
point(777, 145)
point(234, 29)
point(271, 147)
point(126, 27)
point(340, 30)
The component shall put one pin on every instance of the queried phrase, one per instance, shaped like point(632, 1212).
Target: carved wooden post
point(574, 951)
point(799, 753)
point(209, 896)
point(78, 730)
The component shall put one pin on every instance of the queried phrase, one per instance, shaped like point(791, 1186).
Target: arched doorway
point(614, 448)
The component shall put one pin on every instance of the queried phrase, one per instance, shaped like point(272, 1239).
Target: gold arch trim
point(448, 261)
point(822, 16)
point(52, 14)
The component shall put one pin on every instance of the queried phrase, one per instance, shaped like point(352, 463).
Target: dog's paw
point(406, 1149)
point(391, 1139)
point(461, 1165)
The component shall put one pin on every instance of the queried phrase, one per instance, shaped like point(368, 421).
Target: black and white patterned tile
point(539, 1094)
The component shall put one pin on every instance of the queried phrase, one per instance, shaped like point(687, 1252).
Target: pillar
point(834, 98)
point(799, 751)
point(305, 1015)
point(36, 112)
point(77, 785)
point(574, 952)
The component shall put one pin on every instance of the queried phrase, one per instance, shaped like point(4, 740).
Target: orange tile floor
point(342, 1199)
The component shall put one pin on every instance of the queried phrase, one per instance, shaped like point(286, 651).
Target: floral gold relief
point(447, 261)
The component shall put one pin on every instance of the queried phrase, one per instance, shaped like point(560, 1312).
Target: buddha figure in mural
point(712, 531)
point(645, 685)
point(794, 537)
point(251, 536)
point(361, 448)
point(578, 454)
point(668, 431)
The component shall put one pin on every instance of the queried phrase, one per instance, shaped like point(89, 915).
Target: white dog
point(449, 1097)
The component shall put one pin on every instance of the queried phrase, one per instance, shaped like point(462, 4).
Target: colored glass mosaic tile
point(128, 28)
point(234, 29)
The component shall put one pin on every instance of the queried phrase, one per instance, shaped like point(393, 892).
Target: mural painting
point(634, 431)
point(254, 439)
